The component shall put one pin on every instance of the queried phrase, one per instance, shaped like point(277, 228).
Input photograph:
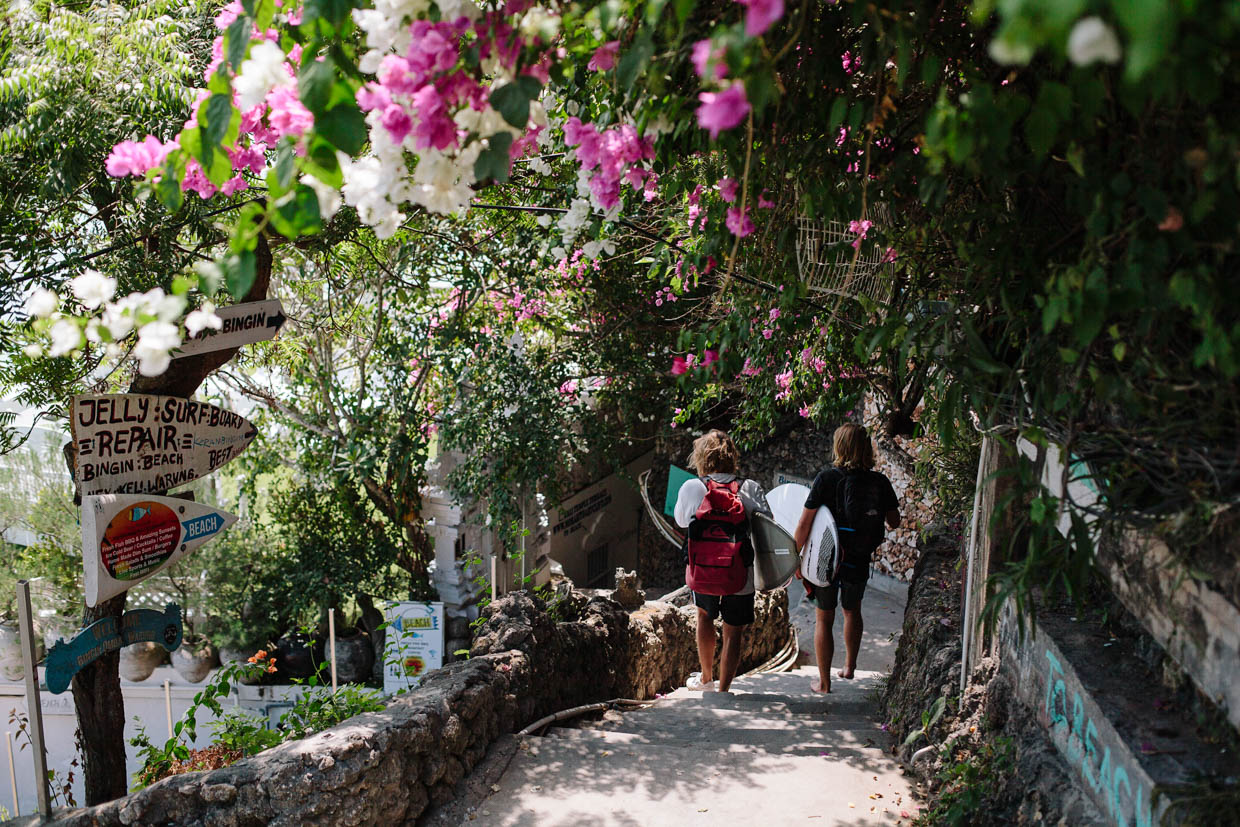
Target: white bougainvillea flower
point(66, 337)
point(1093, 41)
point(329, 198)
point(203, 318)
point(42, 303)
point(33, 351)
point(1008, 52)
point(261, 72)
point(156, 341)
point(121, 317)
point(166, 308)
point(93, 288)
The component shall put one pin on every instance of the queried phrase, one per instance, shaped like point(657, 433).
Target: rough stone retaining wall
point(387, 767)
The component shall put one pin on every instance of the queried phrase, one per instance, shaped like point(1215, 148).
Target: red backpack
point(717, 534)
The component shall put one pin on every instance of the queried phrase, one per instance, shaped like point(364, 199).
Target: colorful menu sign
point(131, 443)
point(66, 658)
point(126, 539)
point(413, 644)
point(241, 324)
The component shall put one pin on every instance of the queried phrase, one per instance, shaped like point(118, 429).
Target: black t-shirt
point(827, 491)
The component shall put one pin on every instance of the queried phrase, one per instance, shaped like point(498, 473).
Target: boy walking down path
point(861, 501)
point(716, 509)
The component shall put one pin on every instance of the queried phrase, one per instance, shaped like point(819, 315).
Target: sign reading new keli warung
point(126, 539)
point(130, 443)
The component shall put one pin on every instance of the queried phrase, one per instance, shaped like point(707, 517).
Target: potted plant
point(138, 660)
point(194, 658)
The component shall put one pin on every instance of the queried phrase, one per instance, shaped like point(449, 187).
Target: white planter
point(138, 660)
point(11, 668)
point(193, 662)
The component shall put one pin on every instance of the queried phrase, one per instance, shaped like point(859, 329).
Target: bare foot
point(816, 686)
point(846, 674)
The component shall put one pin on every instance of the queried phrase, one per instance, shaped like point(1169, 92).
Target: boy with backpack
point(861, 501)
point(715, 508)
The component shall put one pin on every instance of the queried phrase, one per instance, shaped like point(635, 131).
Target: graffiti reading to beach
point(140, 443)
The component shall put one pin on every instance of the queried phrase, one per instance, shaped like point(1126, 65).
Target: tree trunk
point(101, 715)
point(97, 687)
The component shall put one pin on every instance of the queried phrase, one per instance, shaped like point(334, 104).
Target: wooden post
point(331, 639)
point(34, 708)
point(967, 639)
point(168, 707)
point(8, 737)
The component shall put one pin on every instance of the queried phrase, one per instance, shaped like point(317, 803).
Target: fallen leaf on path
point(495, 788)
point(851, 805)
point(876, 795)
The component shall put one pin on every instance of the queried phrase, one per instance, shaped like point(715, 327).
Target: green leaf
point(683, 9)
point(345, 126)
point(634, 60)
point(333, 12)
point(219, 120)
point(280, 176)
point(168, 189)
point(236, 39)
point(512, 101)
point(493, 161)
point(314, 84)
point(239, 273)
point(321, 162)
point(297, 213)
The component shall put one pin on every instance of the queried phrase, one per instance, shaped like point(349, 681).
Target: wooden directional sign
point(130, 443)
point(126, 539)
point(244, 324)
point(65, 658)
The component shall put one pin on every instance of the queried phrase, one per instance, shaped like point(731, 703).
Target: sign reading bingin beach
point(130, 443)
point(126, 539)
point(241, 324)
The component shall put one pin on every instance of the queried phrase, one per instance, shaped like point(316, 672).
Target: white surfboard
point(775, 554)
point(820, 557)
point(126, 539)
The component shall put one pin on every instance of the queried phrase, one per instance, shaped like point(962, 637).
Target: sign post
point(34, 707)
point(243, 324)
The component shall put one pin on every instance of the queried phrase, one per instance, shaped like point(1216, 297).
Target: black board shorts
point(828, 597)
point(737, 609)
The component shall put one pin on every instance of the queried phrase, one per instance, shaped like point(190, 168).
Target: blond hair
point(714, 452)
point(852, 447)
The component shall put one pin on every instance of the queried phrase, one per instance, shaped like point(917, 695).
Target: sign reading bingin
point(132, 443)
point(126, 539)
point(241, 324)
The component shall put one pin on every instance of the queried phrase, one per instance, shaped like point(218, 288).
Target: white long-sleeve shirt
point(690, 497)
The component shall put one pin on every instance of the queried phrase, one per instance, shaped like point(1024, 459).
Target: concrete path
point(769, 753)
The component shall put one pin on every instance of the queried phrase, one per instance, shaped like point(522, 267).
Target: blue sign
point(65, 658)
point(676, 477)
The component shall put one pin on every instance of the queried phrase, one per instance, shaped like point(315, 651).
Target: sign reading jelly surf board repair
point(132, 443)
point(240, 324)
point(126, 539)
point(66, 658)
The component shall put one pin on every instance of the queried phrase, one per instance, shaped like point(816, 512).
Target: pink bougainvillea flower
point(371, 96)
point(604, 57)
point(804, 411)
point(760, 14)
point(288, 116)
point(764, 202)
point(724, 110)
point(195, 180)
point(696, 195)
point(709, 357)
point(1173, 222)
point(767, 333)
point(136, 157)
point(727, 189)
point(890, 255)
point(739, 222)
point(397, 122)
point(569, 388)
point(233, 185)
point(679, 365)
point(702, 57)
point(651, 189)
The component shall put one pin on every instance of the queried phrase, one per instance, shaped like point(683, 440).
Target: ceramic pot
point(138, 660)
point(297, 655)
point(11, 668)
point(193, 660)
point(354, 657)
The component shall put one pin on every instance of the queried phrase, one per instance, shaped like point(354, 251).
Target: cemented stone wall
point(388, 767)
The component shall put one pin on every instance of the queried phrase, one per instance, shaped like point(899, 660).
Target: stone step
point(846, 744)
point(763, 702)
point(561, 782)
point(694, 718)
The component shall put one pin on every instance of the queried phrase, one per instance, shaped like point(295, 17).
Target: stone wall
point(388, 767)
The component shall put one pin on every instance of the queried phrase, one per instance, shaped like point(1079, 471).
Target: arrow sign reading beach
point(131, 443)
point(243, 324)
point(126, 539)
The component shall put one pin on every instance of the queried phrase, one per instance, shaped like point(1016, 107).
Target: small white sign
point(126, 539)
point(243, 324)
point(413, 644)
point(783, 478)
